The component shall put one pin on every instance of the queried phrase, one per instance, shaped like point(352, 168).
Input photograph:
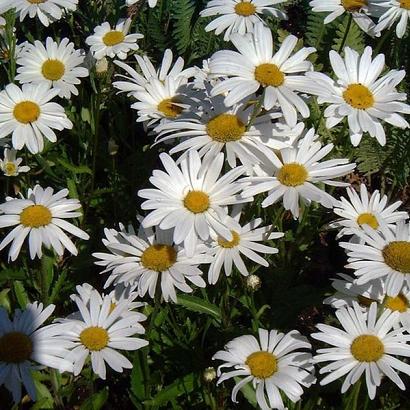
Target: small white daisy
point(272, 364)
point(191, 200)
point(256, 67)
point(360, 95)
point(365, 345)
point(98, 331)
point(151, 256)
point(385, 254)
point(56, 64)
point(245, 241)
point(297, 172)
point(29, 115)
point(24, 345)
point(47, 11)
point(359, 210)
point(10, 165)
point(41, 217)
point(239, 16)
point(394, 10)
point(111, 42)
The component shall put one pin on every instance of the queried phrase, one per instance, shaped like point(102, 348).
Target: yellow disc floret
point(358, 96)
point(262, 364)
point(405, 4)
point(94, 338)
point(368, 219)
point(292, 174)
point(225, 128)
point(26, 112)
point(169, 108)
point(269, 74)
point(159, 257)
point(353, 5)
point(367, 348)
point(36, 1)
point(53, 69)
point(397, 255)
point(35, 216)
point(245, 9)
point(232, 243)
point(113, 37)
point(197, 202)
point(15, 347)
point(399, 303)
point(10, 168)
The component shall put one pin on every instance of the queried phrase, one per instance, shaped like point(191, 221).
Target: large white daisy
point(394, 10)
point(239, 16)
point(10, 165)
point(360, 95)
point(111, 42)
point(297, 172)
point(151, 261)
point(365, 345)
point(29, 115)
point(192, 200)
point(256, 67)
point(56, 64)
point(24, 345)
point(273, 364)
point(385, 254)
point(41, 217)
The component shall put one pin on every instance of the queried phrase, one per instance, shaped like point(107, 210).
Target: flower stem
point(349, 24)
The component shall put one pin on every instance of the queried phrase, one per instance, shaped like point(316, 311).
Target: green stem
point(11, 44)
point(55, 384)
point(349, 24)
point(381, 42)
point(96, 117)
point(257, 108)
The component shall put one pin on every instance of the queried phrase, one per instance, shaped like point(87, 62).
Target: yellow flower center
point(262, 364)
point(15, 347)
point(94, 338)
point(353, 5)
point(35, 216)
point(405, 4)
point(367, 348)
point(169, 108)
point(269, 74)
point(368, 219)
point(26, 112)
point(358, 96)
point(10, 168)
point(292, 174)
point(399, 303)
point(225, 128)
point(36, 1)
point(53, 69)
point(159, 257)
point(397, 255)
point(113, 37)
point(196, 202)
point(245, 9)
point(230, 244)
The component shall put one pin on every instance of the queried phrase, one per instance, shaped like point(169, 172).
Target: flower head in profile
point(42, 218)
point(273, 364)
point(10, 164)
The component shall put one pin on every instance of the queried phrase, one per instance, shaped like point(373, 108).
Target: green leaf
point(57, 286)
point(96, 401)
point(75, 169)
point(249, 393)
point(199, 305)
point(138, 380)
point(4, 299)
point(44, 397)
point(21, 294)
point(11, 274)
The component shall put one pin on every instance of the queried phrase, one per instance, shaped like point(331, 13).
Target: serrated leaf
point(199, 305)
point(75, 169)
point(21, 294)
point(96, 401)
point(11, 274)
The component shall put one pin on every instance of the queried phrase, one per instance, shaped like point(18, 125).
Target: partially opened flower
point(10, 165)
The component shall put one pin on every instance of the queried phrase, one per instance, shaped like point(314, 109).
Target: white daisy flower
point(272, 364)
point(360, 95)
point(47, 11)
point(365, 345)
point(159, 93)
point(10, 165)
point(192, 200)
point(239, 16)
point(24, 345)
point(297, 172)
point(394, 10)
point(41, 217)
point(57, 65)
point(359, 210)
point(29, 115)
point(150, 257)
point(245, 241)
point(385, 254)
point(257, 67)
point(111, 42)
point(214, 127)
point(98, 331)
point(360, 10)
